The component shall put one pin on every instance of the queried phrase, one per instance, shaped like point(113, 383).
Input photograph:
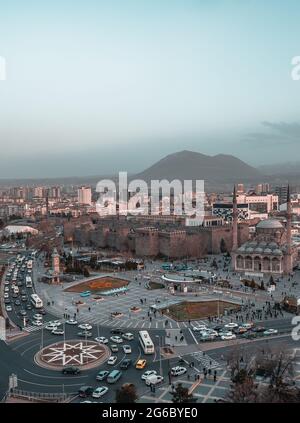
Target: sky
point(94, 87)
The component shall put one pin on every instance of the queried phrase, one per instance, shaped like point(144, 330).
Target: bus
point(28, 282)
point(36, 301)
point(146, 342)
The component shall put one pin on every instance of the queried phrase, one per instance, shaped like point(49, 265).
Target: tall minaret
point(289, 230)
point(234, 222)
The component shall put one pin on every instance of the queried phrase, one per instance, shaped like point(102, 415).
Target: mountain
point(288, 168)
point(217, 170)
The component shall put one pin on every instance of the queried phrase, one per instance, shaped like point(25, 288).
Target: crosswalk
point(33, 328)
point(206, 361)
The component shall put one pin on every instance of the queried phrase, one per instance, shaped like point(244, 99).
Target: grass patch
point(156, 285)
point(98, 285)
point(199, 310)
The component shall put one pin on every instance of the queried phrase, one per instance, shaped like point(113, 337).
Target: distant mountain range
point(219, 172)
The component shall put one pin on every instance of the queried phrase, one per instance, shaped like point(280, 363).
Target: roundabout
point(82, 354)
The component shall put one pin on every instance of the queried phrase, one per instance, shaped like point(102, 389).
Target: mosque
point(271, 251)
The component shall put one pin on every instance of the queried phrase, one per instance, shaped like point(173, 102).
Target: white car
point(38, 316)
point(101, 340)
point(85, 326)
point(270, 332)
point(99, 392)
point(54, 323)
point(127, 349)
point(128, 336)
point(112, 360)
point(231, 325)
point(50, 327)
point(71, 322)
point(199, 328)
point(116, 339)
point(8, 308)
point(6, 289)
point(148, 373)
point(6, 295)
point(154, 380)
point(228, 336)
point(178, 371)
point(37, 323)
point(58, 331)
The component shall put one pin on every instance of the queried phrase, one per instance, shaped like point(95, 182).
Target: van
point(114, 376)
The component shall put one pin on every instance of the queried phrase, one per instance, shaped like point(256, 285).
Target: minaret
point(289, 223)
point(234, 222)
point(55, 266)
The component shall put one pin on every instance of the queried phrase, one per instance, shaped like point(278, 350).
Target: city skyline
point(119, 85)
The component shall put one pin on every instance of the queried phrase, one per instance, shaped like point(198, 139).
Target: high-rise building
point(282, 193)
point(85, 195)
point(262, 189)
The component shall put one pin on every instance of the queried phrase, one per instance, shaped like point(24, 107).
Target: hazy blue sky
point(97, 86)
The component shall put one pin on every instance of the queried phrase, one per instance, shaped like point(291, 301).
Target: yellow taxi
point(141, 364)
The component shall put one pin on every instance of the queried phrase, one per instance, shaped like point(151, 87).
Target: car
point(206, 336)
point(240, 330)
point(6, 283)
point(231, 325)
point(70, 370)
point(85, 391)
point(43, 311)
point(38, 316)
point(125, 363)
point(6, 289)
point(28, 307)
point(114, 348)
point(85, 294)
point(178, 371)
point(148, 373)
point(24, 298)
point(228, 336)
point(114, 376)
point(154, 380)
point(54, 323)
point(259, 329)
point(199, 328)
point(50, 327)
point(8, 308)
point(100, 391)
point(37, 323)
point(17, 302)
point(102, 375)
point(6, 295)
point(85, 334)
point(22, 313)
point(270, 332)
point(247, 325)
point(116, 339)
point(112, 360)
point(85, 326)
point(15, 295)
point(117, 332)
point(141, 364)
point(57, 331)
point(101, 340)
point(127, 349)
point(6, 301)
point(71, 322)
point(128, 336)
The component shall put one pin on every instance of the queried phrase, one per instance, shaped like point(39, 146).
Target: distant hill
point(215, 170)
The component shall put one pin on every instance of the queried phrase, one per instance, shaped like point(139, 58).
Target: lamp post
point(159, 347)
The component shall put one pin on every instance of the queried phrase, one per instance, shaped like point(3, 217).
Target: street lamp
point(159, 347)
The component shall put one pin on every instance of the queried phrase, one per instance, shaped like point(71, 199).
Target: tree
point(182, 395)
point(253, 284)
point(262, 286)
point(86, 272)
point(271, 281)
point(127, 394)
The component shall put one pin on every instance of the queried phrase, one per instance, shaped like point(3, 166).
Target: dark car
point(125, 364)
point(258, 329)
point(14, 295)
point(85, 391)
point(17, 302)
point(22, 313)
point(6, 301)
point(42, 311)
point(70, 371)
point(218, 328)
point(24, 298)
point(117, 332)
point(23, 292)
point(28, 307)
